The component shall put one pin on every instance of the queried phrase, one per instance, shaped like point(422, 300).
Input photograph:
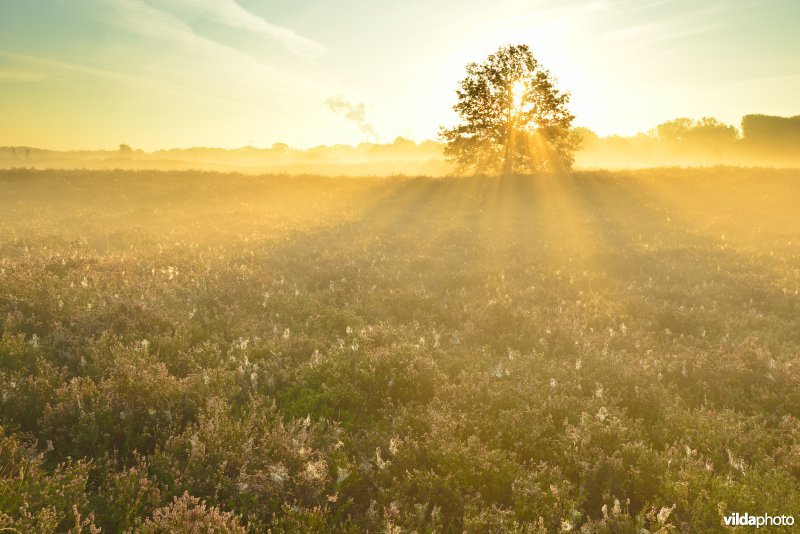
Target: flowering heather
point(199, 352)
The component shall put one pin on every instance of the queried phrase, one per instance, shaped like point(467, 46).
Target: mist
point(762, 141)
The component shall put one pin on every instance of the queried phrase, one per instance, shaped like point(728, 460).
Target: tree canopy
point(513, 118)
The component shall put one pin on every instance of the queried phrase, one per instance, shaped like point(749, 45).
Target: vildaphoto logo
point(758, 521)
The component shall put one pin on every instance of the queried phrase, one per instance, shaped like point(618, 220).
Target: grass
point(603, 351)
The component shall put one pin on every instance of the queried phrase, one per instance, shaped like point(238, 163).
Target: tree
point(512, 117)
point(703, 136)
point(675, 131)
point(766, 130)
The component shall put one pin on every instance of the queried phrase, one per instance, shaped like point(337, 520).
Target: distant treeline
point(402, 156)
point(763, 140)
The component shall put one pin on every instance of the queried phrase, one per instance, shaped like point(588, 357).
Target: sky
point(228, 73)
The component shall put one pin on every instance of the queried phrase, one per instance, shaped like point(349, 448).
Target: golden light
point(518, 93)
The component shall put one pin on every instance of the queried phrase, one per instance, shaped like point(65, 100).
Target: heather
point(594, 352)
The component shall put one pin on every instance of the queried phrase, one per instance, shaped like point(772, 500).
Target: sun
point(518, 94)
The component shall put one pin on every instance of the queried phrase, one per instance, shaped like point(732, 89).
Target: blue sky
point(96, 73)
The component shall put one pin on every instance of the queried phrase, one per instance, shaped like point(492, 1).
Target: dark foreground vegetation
point(597, 353)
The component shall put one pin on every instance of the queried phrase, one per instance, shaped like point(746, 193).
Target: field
point(602, 352)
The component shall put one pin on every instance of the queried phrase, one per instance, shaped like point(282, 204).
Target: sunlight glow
point(263, 71)
point(518, 94)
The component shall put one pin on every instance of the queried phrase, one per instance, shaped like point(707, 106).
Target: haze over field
point(418, 267)
point(761, 141)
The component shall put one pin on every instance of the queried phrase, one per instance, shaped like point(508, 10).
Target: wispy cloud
point(769, 80)
point(656, 33)
point(204, 56)
point(146, 83)
point(64, 65)
point(676, 25)
point(355, 112)
point(11, 75)
point(230, 13)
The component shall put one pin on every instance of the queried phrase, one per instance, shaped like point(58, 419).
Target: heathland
point(603, 351)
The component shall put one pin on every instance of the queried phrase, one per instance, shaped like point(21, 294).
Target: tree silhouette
point(512, 117)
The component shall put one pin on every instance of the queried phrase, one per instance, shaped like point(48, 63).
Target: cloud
point(143, 82)
point(230, 13)
point(355, 112)
point(675, 26)
point(202, 57)
point(657, 33)
point(9, 75)
point(151, 22)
